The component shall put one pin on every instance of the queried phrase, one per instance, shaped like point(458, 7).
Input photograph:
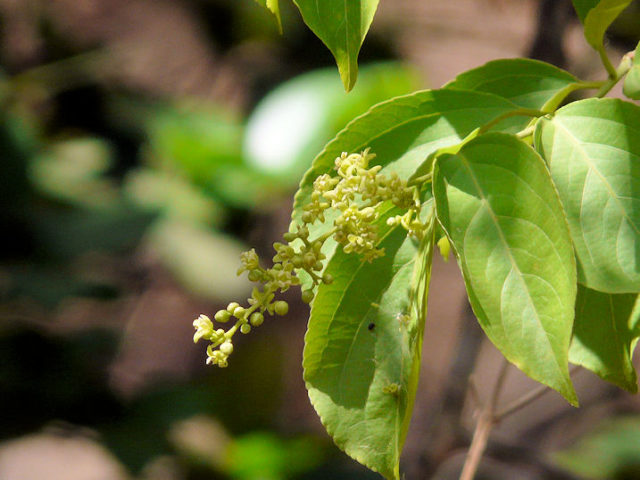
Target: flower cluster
point(355, 193)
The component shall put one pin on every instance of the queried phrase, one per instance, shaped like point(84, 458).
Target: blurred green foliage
point(611, 451)
point(94, 178)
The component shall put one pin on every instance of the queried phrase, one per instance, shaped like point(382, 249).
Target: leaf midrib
point(514, 264)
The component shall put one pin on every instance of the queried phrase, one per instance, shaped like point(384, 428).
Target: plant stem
point(522, 402)
point(523, 112)
point(554, 102)
point(478, 446)
point(527, 132)
point(527, 398)
point(611, 70)
point(618, 73)
point(488, 418)
point(484, 425)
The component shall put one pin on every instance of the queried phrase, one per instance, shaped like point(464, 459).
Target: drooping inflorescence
point(355, 195)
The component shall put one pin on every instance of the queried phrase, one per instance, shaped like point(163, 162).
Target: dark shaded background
point(128, 187)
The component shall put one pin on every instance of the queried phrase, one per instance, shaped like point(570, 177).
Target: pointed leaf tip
point(342, 26)
point(496, 201)
point(274, 7)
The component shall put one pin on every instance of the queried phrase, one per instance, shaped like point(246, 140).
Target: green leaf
point(632, 80)
point(527, 83)
point(610, 451)
point(605, 331)
point(583, 7)
point(598, 19)
point(593, 150)
point(497, 204)
point(363, 345)
point(273, 7)
point(405, 130)
point(342, 26)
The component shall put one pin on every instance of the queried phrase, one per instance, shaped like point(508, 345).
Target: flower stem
point(625, 65)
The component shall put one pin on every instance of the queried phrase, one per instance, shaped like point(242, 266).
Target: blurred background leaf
point(143, 145)
point(610, 451)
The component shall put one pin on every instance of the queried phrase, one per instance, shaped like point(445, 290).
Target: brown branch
point(484, 425)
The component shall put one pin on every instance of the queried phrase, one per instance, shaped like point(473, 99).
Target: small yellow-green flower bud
point(317, 266)
point(307, 217)
point(232, 306)
point(307, 296)
point(245, 328)
point(289, 237)
point(297, 261)
point(309, 259)
point(227, 348)
point(254, 276)
point(281, 307)
point(327, 278)
point(250, 259)
point(222, 316)
point(239, 312)
point(445, 247)
point(256, 319)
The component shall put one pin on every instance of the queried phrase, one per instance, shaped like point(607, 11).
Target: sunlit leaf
point(605, 331)
point(593, 150)
point(363, 346)
point(499, 208)
point(403, 132)
point(599, 18)
point(527, 83)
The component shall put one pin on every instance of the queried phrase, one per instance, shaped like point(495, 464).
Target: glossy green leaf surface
point(593, 150)
point(405, 130)
point(600, 17)
point(496, 201)
point(342, 26)
point(631, 86)
point(274, 7)
point(605, 331)
point(363, 345)
point(527, 83)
